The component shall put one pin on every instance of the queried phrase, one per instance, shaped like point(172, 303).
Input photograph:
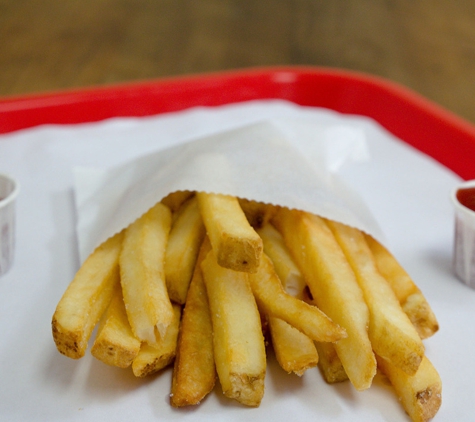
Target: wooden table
point(53, 45)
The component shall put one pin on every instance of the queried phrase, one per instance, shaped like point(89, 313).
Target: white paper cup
point(464, 238)
point(9, 188)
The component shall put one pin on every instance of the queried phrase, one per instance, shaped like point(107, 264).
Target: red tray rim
point(416, 120)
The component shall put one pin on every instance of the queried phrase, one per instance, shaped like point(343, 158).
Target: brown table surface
point(428, 46)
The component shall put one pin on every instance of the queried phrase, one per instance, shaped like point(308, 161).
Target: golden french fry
point(257, 213)
point(186, 235)
point(151, 359)
point(194, 373)
point(392, 334)
point(239, 348)
point(142, 274)
point(295, 352)
point(413, 302)
point(284, 265)
point(115, 344)
point(174, 200)
point(236, 244)
point(420, 394)
point(86, 298)
point(274, 301)
point(330, 364)
point(334, 288)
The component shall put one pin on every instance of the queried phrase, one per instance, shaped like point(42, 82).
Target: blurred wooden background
point(428, 46)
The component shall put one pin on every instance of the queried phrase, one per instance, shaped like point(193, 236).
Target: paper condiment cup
point(464, 237)
point(9, 188)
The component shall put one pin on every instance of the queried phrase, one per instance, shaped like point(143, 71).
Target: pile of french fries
point(211, 283)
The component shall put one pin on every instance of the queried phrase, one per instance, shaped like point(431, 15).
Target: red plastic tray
point(419, 122)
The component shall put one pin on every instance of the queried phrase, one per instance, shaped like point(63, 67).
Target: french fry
point(330, 364)
point(239, 349)
point(115, 344)
point(274, 301)
point(334, 288)
point(86, 298)
point(420, 394)
point(152, 359)
point(194, 373)
point(257, 213)
point(184, 241)
point(236, 244)
point(413, 302)
point(284, 265)
point(295, 352)
point(142, 274)
point(174, 200)
point(392, 334)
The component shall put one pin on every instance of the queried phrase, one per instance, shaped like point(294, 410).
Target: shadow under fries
point(308, 388)
point(61, 371)
point(280, 381)
point(385, 399)
point(90, 376)
point(343, 394)
point(110, 382)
